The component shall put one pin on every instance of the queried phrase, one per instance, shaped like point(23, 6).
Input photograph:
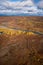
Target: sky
point(21, 7)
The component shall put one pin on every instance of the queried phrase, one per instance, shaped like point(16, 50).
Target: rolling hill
point(21, 40)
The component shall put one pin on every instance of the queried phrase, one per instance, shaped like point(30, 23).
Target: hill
point(19, 46)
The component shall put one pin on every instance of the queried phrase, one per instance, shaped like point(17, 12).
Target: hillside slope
point(19, 46)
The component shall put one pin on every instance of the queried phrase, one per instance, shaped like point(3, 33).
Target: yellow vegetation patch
point(16, 32)
point(30, 33)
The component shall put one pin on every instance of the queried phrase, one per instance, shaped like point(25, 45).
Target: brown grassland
point(20, 47)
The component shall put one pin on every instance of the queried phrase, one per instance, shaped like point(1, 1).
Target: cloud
point(19, 7)
point(40, 4)
point(18, 3)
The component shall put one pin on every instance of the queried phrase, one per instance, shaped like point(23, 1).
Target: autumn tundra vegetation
point(21, 40)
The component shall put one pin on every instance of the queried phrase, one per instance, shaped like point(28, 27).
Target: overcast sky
point(21, 7)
